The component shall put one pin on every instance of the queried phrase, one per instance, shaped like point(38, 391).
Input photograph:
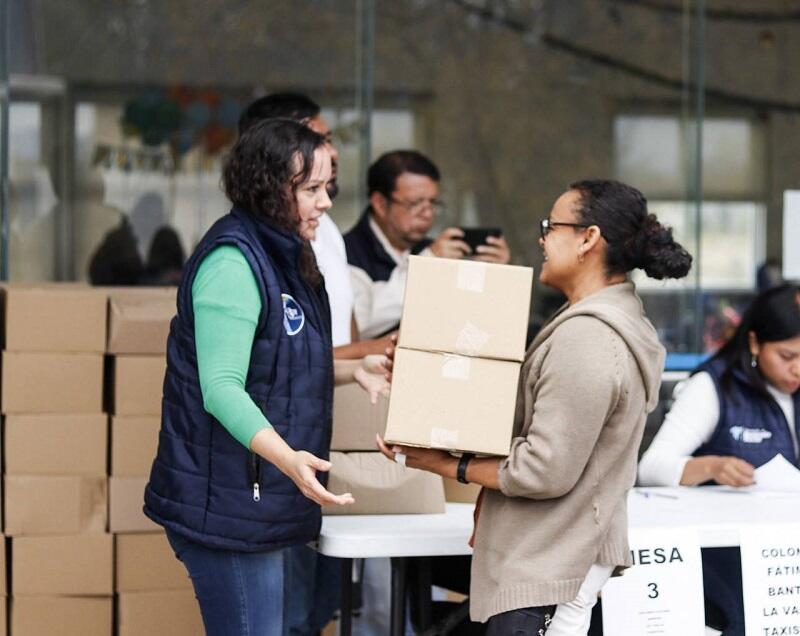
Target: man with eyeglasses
point(403, 190)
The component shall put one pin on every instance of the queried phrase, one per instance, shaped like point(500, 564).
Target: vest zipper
point(255, 476)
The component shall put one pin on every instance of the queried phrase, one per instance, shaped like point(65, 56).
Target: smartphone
point(475, 236)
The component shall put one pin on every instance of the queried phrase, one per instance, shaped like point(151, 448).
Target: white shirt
point(378, 304)
point(331, 257)
point(689, 424)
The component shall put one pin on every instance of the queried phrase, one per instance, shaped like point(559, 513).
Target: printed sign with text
point(662, 594)
point(771, 579)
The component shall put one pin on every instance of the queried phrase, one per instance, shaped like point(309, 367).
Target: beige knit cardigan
point(587, 382)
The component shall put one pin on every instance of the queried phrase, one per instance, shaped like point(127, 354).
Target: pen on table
point(647, 493)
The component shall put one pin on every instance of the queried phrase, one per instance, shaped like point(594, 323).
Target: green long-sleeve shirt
point(227, 305)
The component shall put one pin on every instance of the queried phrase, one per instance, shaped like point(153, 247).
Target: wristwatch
point(461, 471)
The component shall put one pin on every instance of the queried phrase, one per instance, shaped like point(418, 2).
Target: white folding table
point(715, 512)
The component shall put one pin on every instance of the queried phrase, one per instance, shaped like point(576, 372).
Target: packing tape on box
point(455, 367)
point(471, 276)
point(471, 339)
point(444, 438)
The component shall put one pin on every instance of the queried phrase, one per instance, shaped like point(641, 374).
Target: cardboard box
point(452, 402)
point(134, 441)
point(455, 492)
point(138, 383)
point(146, 563)
point(52, 382)
point(37, 505)
point(466, 307)
point(3, 616)
point(62, 615)
point(75, 565)
point(139, 318)
point(53, 317)
point(172, 613)
point(380, 486)
point(356, 420)
point(56, 444)
point(125, 503)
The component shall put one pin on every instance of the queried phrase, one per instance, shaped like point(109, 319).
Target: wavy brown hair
point(262, 173)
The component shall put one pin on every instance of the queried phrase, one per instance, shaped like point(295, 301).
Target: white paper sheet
point(777, 475)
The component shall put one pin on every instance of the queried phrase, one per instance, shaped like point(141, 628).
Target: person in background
point(116, 261)
point(551, 521)
point(239, 473)
point(403, 191)
point(736, 412)
point(165, 258)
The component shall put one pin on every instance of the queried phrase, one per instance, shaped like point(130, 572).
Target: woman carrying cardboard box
point(551, 523)
point(246, 413)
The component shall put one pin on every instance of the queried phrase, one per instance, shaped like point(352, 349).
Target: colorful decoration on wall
point(184, 118)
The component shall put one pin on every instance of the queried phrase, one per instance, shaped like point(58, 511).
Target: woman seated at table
point(736, 412)
point(551, 521)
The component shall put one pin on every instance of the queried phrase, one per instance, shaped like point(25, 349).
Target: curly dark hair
point(262, 172)
point(635, 238)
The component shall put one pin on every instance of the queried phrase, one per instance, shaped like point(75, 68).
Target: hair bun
point(657, 253)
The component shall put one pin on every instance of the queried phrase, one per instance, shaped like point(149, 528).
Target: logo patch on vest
point(293, 316)
point(750, 435)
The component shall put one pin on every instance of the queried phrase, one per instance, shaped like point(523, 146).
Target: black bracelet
point(461, 472)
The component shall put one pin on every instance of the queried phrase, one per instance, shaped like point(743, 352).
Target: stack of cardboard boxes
point(67, 556)
point(378, 485)
point(55, 448)
point(461, 344)
point(154, 594)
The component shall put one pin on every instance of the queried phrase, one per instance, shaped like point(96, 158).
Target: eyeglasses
point(417, 207)
point(546, 226)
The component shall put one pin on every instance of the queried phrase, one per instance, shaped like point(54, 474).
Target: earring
point(753, 360)
point(580, 256)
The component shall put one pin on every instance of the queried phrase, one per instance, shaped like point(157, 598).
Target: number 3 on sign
point(666, 567)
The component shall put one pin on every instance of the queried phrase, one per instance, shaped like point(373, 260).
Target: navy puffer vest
point(751, 426)
point(365, 251)
point(204, 484)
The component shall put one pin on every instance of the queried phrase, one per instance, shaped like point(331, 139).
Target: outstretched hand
point(302, 470)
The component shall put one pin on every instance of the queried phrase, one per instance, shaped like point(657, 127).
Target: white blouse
point(688, 425)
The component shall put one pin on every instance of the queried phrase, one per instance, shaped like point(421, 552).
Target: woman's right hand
point(731, 471)
point(302, 470)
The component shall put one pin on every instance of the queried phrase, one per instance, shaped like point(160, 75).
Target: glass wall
point(119, 115)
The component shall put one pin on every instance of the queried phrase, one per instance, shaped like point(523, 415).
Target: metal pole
point(5, 101)
point(365, 84)
point(698, 83)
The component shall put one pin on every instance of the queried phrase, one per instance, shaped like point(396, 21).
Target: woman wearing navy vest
point(736, 412)
point(246, 413)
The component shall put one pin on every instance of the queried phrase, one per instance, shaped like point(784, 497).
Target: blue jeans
point(313, 584)
point(240, 593)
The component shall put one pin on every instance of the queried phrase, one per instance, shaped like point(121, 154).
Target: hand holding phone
point(475, 236)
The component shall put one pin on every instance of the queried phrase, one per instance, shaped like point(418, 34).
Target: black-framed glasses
point(546, 225)
point(416, 207)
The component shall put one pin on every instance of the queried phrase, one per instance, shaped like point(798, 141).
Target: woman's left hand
point(430, 459)
point(372, 376)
